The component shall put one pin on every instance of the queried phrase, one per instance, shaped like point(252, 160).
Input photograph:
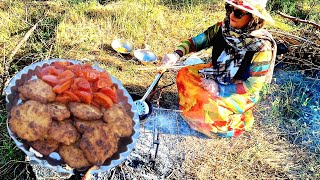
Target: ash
point(142, 163)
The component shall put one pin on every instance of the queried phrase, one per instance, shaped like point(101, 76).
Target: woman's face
point(239, 23)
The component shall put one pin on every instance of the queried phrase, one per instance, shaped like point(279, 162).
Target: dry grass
point(84, 30)
point(260, 154)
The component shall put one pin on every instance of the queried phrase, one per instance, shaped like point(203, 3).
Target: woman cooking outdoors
point(217, 98)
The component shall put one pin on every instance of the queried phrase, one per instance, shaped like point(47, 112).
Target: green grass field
point(83, 30)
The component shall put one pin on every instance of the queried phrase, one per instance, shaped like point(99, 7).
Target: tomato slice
point(62, 98)
point(61, 64)
point(73, 96)
point(67, 73)
point(50, 79)
point(102, 83)
point(82, 83)
point(87, 66)
point(48, 70)
point(90, 74)
point(105, 74)
point(103, 99)
point(84, 96)
point(79, 73)
point(110, 93)
point(65, 76)
point(74, 68)
point(60, 88)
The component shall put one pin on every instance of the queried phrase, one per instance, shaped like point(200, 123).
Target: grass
point(84, 30)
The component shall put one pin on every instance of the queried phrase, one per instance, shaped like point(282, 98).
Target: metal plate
point(54, 161)
point(122, 46)
point(192, 60)
point(145, 56)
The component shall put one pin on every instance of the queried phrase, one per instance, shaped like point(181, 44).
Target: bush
point(304, 9)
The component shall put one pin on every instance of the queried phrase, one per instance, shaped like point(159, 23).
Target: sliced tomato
point(79, 73)
point(62, 98)
point(95, 87)
point(48, 70)
point(73, 96)
point(102, 83)
point(74, 67)
point(61, 64)
point(84, 96)
point(60, 88)
point(105, 74)
point(67, 73)
point(87, 66)
point(103, 99)
point(82, 83)
point(41, 72)
point(90, 74)
point(74, 86)
point(50, 79)
point(110, 93)
point(65, 76)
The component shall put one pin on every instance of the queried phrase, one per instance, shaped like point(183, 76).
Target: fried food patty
point(85, 111)
point(45, 146)
point(30, 121)
point(59, 111)
point(113, 114)
point(98, 145)
point(37, 90)
point(83, 125)
point(64, 132)
point(73, 156)
point(121, 128)
point(118, 121)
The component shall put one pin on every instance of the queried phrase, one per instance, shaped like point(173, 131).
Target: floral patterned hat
point(255, 7)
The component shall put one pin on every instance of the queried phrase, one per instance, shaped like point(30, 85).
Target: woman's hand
point(211, 86)
point(170, 59)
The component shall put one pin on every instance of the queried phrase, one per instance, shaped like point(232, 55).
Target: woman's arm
point(199, 42)
point(258, 70)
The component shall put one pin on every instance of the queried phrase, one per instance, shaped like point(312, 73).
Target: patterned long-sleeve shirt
point(254, 75)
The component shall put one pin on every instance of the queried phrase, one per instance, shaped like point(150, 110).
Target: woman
point(217, 98)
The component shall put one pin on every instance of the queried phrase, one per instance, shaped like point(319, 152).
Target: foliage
point(303, 9)
point(295, 103)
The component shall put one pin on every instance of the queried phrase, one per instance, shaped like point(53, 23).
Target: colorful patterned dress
point(230, 113)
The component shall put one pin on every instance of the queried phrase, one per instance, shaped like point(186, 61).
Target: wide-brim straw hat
point(255, 7)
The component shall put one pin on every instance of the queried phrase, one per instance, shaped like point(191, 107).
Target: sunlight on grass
point(10, 24)
point(155, 25)
point(282, 25)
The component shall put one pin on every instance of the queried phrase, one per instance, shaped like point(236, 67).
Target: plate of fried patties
point(68, 116)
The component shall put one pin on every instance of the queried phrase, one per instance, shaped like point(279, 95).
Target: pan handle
point(151, 86)
point(155, 81)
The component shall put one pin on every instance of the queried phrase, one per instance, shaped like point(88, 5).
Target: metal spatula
point(141, 105)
